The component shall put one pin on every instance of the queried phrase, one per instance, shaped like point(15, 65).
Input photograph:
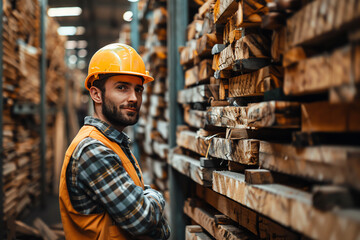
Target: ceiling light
point(82, 53)
point(71, 30)
point(67, 31)
point(82, 44)
point(64, 11)
point(128, 16)
point(70, 44)
point(133, 0)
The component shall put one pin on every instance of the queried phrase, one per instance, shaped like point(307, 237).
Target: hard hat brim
point(90, 79)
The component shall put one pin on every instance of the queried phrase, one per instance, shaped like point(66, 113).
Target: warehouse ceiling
point(102, 21)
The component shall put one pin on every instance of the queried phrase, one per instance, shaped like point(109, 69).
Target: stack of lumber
point(56, 73)
point(39, 230)
point(152, 132)
point(275, 150)
point(21, 81)
point(21, 121)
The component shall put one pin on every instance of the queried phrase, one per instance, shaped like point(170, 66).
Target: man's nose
point(133, 96)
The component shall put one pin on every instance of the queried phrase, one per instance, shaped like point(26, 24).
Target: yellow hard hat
point(116, 58)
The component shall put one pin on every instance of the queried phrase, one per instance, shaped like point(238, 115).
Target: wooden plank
point(23, 228)
point(228, 116)
point(325, 20)
point(278, 44)
point(201, 93)
point(224, 9)
point(328, 197)
point(322, 72)
point(274, 113)
point(288, 206)
point(256, 82)
point(159, 169)
point(193, 29)
point(60, 149)
point(195, 232)
point(258, 176)
point(163, 128)
point(247, 218)
point(192, 76)
point(160, 149)
point(195, 118)
point(244, 151)
point(339, 117)
point(206, 219)
point(205, 70)
point(251, 12)
point(44, 230)
point(256, 45)
point(187, 53)
point(226, 58)
point(190, 140)
point(334, 164)
point(191, 167)
point(206, 43)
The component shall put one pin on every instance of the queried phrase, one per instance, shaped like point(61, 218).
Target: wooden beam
point(191, 167)
point(256, 82)
point(160, 149)
point(44, 230)
point(244, 151)
point(224, 9)
point(288, 206)
point(206, 43)
point(336, 164)
point(318, 22)
point(252, 11)
point(328, 197)
point(339, 117)
point(205, 70)
point(187, 53)
point(228, 116)
point(195, 118)
point(258, 176)
point(192, 76)
point(274, 113)
point(195, 232)
point(247, 218)
point(255, 45)
point(190, 140)
point(201, 93)
point(226, 58)
point(206, 219)
point(323, 72)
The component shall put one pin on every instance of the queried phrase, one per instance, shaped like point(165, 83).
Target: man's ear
point(95, 94)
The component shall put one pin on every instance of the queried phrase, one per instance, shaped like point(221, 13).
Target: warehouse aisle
point(250, 129)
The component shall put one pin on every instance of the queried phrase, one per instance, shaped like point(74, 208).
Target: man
point(102, 194)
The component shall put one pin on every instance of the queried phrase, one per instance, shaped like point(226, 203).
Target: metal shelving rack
point(178, 21)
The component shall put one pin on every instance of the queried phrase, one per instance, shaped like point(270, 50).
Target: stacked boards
point(152, 131)
point(271, 140)
point(21, 92)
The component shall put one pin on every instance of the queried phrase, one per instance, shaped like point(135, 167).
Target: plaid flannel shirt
point(97, 182)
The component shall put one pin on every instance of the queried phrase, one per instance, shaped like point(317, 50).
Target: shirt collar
point(107, 130)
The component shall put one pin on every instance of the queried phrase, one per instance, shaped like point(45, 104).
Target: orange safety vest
point(92, 226)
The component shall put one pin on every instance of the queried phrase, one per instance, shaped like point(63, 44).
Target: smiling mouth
point(130, 109)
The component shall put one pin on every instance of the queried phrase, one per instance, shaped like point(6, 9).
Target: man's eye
point(139, 90)
point(121, 87)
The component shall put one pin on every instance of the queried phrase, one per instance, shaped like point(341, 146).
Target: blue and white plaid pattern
point(97, 182)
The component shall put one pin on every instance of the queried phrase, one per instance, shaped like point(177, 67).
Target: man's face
point(122, 100)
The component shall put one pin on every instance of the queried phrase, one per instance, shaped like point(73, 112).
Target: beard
point(118, 118)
